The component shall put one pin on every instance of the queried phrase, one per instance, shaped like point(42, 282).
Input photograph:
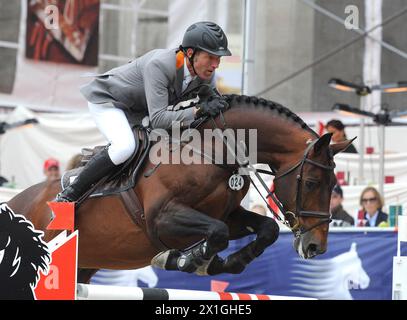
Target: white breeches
point(113, 124)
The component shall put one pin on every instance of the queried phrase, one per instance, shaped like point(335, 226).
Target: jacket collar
point(180, 61)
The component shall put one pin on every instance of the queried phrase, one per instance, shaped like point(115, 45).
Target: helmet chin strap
point(190, 59)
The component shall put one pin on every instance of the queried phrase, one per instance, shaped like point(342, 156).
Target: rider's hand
point(211, 107)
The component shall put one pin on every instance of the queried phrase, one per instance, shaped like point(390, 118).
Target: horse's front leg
point(241, 223)
point(180, 222)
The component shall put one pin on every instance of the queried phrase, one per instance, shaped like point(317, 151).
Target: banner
point(357, 265)
point(57, 46)
point(63, 31)
point(31, 268)
point(60, 281)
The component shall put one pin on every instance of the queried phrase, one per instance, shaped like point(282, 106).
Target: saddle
point(124, 177)
point(121, 181)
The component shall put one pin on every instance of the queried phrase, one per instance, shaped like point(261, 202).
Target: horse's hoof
point(166, 260)
point(203, 270)
point(216, 266)
point(234, 265)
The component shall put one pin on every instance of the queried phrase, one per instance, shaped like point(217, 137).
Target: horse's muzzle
point(307, 249)
point(311, 251)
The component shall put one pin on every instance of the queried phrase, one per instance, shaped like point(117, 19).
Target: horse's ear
point(322, 143)
point(340, 146)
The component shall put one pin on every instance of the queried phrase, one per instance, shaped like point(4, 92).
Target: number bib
point(236, 182)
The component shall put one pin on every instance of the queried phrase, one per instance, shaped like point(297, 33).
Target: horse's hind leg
point(242, 223)
point(183, 222)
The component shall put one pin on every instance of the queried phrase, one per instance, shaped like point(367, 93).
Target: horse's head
point(305, 192)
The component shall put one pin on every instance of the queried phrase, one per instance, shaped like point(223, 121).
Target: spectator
point(372, 203)
point(340, 218)
point(51, 169)
point(258, 208)
point(337, 128)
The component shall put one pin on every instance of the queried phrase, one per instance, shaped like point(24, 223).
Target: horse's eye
point(311, 184)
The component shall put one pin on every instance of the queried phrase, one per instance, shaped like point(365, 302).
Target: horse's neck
point(284, 151)
point(279, 143)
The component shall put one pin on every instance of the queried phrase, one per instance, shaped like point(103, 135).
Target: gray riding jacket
point(149, 85)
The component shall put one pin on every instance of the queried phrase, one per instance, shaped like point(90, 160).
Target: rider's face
point(205, 64)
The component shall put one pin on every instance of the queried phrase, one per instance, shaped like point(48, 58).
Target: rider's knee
point(122, 150)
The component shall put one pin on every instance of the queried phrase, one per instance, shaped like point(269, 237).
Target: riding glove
point(212, 106)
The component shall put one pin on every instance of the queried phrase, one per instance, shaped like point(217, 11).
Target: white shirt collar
point(372, 219)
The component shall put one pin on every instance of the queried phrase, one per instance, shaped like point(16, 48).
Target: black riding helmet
point(206, 36)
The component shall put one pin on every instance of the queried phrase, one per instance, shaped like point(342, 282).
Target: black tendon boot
point(98, 166)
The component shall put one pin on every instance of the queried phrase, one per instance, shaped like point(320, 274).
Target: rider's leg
point(113, 124)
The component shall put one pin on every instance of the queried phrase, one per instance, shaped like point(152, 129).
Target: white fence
point(99, 292)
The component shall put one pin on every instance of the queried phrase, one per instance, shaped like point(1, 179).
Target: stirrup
point(62, 198)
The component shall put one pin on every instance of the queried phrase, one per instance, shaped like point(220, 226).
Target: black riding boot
point(98, 166)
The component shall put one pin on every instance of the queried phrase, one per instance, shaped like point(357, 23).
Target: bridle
point(293, 221)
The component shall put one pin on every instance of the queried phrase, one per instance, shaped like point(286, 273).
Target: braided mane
point(237, 100)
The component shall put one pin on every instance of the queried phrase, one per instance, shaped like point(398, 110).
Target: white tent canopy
point(24, 150)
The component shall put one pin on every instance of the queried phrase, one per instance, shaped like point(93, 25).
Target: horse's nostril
point(312, 248)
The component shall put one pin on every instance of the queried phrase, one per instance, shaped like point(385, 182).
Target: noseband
point(294, 224)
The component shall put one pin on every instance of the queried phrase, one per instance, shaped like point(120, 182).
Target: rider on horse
point(150, 85)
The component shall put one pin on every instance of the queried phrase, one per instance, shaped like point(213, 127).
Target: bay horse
point(187, 204)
